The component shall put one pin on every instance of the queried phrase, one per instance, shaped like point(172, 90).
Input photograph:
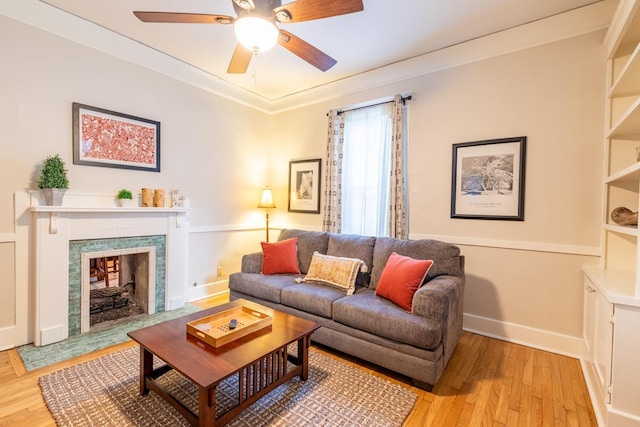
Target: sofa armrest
point(252, 263)
point(441, 300)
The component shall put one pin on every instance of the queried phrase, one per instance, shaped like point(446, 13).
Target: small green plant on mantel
point(53, 180)
point(53, 173)
point(124, 197)
point(124, 194)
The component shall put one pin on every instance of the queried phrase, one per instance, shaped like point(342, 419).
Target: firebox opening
point(117, 286)
point(112, 297)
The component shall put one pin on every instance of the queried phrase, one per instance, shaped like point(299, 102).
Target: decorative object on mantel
point(147, 197)
point(158, 199)
point(177, 198)
point(266, 202)
point(53, 180)
point(125, 197)
point(624, 216)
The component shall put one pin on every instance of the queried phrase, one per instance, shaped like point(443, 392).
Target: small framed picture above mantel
point(304, 186)
point(115, 140)
point(487, 179)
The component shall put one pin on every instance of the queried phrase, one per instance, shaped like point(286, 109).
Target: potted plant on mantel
point(124, 196)
point(53, 180)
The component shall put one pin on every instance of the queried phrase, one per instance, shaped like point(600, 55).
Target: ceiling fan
point(256, 30)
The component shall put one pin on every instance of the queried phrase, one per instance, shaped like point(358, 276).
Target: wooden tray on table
point(215, 331)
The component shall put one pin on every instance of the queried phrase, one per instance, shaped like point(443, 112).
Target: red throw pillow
point(401, 278)
point(280, 257)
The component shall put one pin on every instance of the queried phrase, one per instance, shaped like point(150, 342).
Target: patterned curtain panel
point(333, 174)
point(398, 206)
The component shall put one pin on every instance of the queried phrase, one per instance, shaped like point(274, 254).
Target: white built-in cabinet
point(612, 290)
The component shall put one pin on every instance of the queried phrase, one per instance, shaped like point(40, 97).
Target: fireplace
point(134, 287)
point(141, 258)
point(63, 233)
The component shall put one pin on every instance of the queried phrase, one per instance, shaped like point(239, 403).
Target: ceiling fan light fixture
point(256, 34)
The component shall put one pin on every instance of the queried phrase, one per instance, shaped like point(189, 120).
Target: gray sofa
point(417, 344)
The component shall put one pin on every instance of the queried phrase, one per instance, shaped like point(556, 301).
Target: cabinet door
point(602, 341)
point(626, 354)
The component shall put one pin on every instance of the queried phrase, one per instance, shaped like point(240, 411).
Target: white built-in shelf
point(628, 82)
point(628, 230)
point(617, 285)
point(630, 173)
point(628, 126)
point(108, 209)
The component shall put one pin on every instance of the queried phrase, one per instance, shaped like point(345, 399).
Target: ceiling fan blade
point(307, 10)
point(304, 50)
point(240, 60)
point(183, 18)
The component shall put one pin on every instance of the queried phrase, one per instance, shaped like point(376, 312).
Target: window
point(366, 170)
point(365, 185)
point(365, 167)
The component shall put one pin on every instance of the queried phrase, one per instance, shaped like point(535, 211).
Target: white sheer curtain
point(365, 183)
point(365, 176)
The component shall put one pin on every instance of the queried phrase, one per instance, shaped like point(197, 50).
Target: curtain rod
point(404, 98)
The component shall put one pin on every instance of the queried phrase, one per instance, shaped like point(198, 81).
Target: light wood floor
point(486, 383)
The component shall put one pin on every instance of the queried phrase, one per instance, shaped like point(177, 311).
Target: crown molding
point(594, 17)
point(60, 23)
point(579, 21)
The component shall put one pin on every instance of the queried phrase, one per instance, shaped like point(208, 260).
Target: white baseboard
point(207, 290)
point(532, 337)
point(595, 393)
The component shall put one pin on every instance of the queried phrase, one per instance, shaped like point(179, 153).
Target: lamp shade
point(255, 33)
point(266, 201)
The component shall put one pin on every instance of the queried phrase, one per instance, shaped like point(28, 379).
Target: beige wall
point(552, 94)
point(220, 153)
point(212, 149)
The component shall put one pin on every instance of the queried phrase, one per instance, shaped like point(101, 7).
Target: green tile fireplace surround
point(77, 247)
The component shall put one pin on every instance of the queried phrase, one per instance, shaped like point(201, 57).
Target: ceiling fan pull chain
point(255, 69)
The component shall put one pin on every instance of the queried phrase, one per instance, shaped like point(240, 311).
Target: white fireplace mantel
point(54, 211)
point(55, 226)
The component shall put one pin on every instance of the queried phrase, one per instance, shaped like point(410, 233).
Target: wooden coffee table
point(259, 359)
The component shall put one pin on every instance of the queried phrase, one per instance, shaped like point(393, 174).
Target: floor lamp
point(266, 202)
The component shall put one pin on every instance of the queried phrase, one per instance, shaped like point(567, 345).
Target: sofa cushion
point(308, 243)
point(339, 272)
point(311, 298)
point(445, 256)
point(354, 246)
point(280, 257)
point(401, 278)
point(368, 312)
point(260, 285)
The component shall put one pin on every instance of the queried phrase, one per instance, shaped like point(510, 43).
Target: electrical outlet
point(220, 272)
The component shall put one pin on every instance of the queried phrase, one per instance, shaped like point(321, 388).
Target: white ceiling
point(386, 32)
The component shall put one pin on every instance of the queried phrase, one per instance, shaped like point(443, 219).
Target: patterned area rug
point(105, 391)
